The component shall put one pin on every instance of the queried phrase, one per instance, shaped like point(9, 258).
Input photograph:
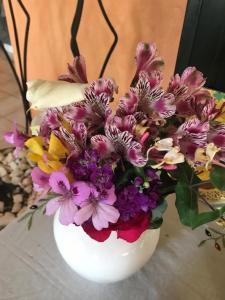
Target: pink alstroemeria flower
point(15, 138)
point(120, 143)
point(185, 85)
point(99, 207)
point(147, 59)
point(76, 71)
point(68, 196)
point(191, 135)
point(94, 109)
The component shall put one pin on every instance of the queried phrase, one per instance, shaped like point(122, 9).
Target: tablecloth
point(31, 267)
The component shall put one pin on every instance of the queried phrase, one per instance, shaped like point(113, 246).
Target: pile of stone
point(15, 185)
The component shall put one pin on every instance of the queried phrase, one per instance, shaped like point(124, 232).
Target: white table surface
point(32, 268)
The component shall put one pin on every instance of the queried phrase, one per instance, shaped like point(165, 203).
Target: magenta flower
point(185, 85)
point(119, 143)
point(126, 123)
point(95, 109)
point(68, 196)
point(204, 105)
point(15, 138)
point(191, 135)
point(75, 141)
point(147, 59)
point(76, 71)
point(98, 207)
point(40, 179)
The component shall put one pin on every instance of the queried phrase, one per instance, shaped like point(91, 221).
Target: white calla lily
point(43, 94)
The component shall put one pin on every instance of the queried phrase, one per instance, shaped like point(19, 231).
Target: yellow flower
point(47, 160)
point(221, 117)
point(206, 156)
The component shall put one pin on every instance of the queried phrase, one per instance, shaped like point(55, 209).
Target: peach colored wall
point(134, 20)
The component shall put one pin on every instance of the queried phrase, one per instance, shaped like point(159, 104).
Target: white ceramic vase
point(109, 261)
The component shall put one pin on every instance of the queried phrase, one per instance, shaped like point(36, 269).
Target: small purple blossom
point(99, 207)
point(89, 167)
point(15, 138)
point(76, 71)
point(131, 201)
point(68, 196)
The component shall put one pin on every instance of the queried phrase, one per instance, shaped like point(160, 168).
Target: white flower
point(43, 94)
point(164, 144)
point(172, 157)
point(206, 156)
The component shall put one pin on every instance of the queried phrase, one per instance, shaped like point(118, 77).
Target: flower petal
point(83, 214)
point(67, 212)
point(52, 206)
point(40, 178)
point(110, 197)
point(135, 156)
point(99, 236)
point(108, 212)
point(102, 145)
point(59, 183)
point(81, 192)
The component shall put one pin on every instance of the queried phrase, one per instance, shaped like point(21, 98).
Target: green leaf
point(156, 224)
point(217, 177)
point(29, 224)
point(187, 207)
point(168, 184)
point(25, 216)
point(202, 243)
point(159, 210)
point(185, 174)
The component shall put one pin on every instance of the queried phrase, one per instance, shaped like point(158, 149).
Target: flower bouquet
point(110, 171)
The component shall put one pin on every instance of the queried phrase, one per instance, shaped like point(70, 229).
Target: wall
point(134, 20)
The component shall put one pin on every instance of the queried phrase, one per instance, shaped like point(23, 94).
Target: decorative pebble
point(2, 204)
point(16, 207)
point(16, 180)
point(3, 171)
point(15, 171)
point(28, 189)
point(26, 181)
point(18, 198)
point(13, 165)
point(1, 156)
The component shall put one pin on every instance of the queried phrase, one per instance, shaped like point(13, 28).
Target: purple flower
point(131, 201)
point(191, 135)
point(68, 196)
point(147, 59)
point(120, 143)
point(185, 85)
point(99, 207)
point(76, 71)
point(40, 179)
point(89, 167)
point(15, 138)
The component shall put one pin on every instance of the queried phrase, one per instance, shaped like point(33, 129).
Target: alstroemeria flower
point(47, 160)
point(191, 135)
point(95, 109)
point(126, 123)
point(99, 207)
point(147, 59)
point(185, 85)
point(15, 138)
point(206, 156)
point(76, 71)
point(120, 143)
point(170, 159)
point(68, 195)
point(204, 105)
point(216, 135)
